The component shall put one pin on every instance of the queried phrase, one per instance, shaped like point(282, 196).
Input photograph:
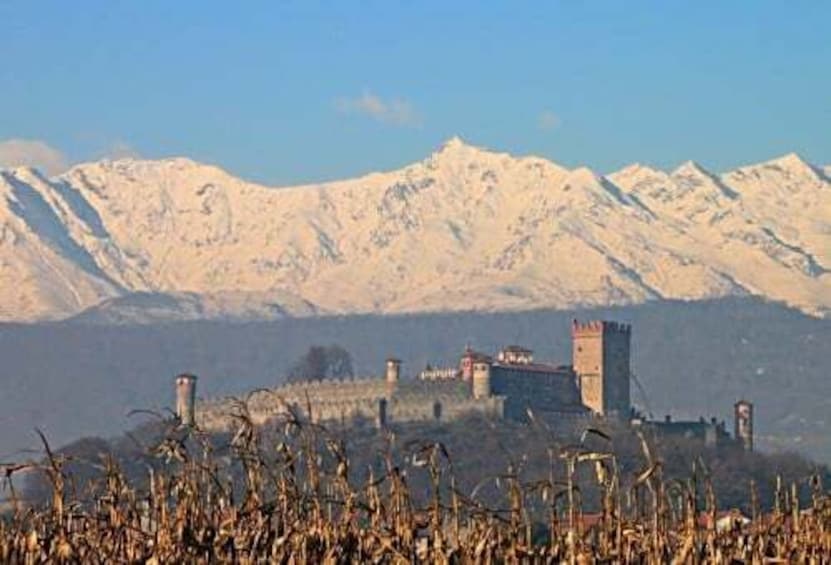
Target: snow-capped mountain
point(464, 229)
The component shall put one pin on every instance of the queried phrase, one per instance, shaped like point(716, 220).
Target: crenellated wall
point(439, 374)
point(346, 400)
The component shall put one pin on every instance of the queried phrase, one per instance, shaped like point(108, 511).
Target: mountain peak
point(456, 151)
point(637, 176)
point(637, 168)
point(793, 163)
point(583, 175)
point(454, 142)
point(691, 168)
point(458, 146)
point(792, 158)
point(788, 165)
point(147, 168)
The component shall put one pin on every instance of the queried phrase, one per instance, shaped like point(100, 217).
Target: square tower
point(600, 353)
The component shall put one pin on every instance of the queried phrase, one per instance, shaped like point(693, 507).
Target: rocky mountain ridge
point(464, 229)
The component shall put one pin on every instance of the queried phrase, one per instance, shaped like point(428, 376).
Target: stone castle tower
point(481, 379)
point(600, 352)
point(186, 399)
point(393, 373)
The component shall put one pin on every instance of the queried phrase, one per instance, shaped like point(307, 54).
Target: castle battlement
point(595, 327)
point(323, 383)
point(437, 374)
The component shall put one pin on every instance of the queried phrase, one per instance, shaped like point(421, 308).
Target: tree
point(320, 362)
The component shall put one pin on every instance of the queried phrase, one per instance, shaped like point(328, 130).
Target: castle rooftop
point(534, 367)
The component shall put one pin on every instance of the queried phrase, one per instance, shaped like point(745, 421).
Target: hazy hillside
point(75, 379)
point(464, 229)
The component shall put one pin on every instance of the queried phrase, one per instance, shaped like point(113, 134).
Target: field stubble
point(292, 497)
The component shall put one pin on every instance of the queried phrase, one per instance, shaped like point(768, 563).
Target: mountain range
point(464, 229)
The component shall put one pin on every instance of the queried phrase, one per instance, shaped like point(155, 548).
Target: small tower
point(470, 358)
point(743, 430)
point(186, 399)
point(481, 379)
point(466, 363)
point(601, 359)
point(393, 371)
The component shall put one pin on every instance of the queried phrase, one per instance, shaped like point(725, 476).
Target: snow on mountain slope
point(44, 272)
point(464, 229)
point(150, 307)
point(734, 232)
point(791, 196)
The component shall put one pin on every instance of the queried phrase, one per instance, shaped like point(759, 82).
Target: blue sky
point(287, 92)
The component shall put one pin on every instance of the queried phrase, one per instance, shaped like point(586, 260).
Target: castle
point(510, 385)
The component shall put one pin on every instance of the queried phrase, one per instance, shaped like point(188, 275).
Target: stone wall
point(541, 391)
point(345, 400)
point(442, 408)
point(711, 433)
point(587, 359)
point(616, 359)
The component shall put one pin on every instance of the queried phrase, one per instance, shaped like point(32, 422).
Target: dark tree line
point(322, 362)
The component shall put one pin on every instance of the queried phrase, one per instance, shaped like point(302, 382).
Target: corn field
point(294, 498)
